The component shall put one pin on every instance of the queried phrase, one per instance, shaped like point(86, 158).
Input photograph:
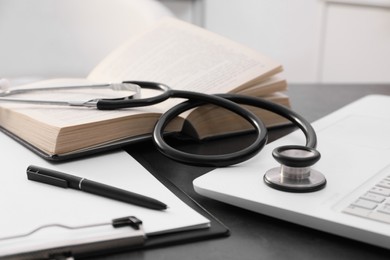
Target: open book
point(172, 52)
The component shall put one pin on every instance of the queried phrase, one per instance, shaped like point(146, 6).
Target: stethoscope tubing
point(196, 99)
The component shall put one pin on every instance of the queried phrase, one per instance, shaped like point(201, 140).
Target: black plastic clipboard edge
point(217, 228)
point(78, 251)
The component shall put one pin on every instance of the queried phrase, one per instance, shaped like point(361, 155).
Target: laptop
point(354, 143)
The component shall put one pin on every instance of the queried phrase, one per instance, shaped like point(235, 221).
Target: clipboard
point(132, 239)
point(136, 240)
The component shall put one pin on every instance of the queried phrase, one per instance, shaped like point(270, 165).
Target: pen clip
point(34, 175)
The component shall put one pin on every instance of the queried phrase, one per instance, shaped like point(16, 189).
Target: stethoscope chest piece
point(295, 173)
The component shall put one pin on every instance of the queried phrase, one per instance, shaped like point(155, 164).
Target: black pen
point(64, 180)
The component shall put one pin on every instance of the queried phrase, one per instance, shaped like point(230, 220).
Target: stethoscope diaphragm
point(295, 173)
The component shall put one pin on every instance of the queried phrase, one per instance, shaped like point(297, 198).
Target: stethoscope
point(294, 174)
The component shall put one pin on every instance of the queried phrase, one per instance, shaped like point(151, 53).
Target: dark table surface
point(255, 236)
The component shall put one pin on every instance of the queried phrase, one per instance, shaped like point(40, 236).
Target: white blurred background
point(342, 41)
point(317, 41)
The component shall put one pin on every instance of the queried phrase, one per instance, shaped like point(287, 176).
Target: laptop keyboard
point(374, 203)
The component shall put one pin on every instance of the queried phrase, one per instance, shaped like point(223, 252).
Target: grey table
point(255, 236)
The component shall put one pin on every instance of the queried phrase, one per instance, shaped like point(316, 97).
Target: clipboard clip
point(131, 221)
point(90, 246)
point(127, 221)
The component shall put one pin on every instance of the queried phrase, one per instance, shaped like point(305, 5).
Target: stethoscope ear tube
point(112, 104)
point(220, 160)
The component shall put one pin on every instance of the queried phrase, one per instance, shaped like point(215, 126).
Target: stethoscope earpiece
point(295, 173)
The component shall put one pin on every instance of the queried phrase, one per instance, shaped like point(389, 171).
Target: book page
point(186, 57)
